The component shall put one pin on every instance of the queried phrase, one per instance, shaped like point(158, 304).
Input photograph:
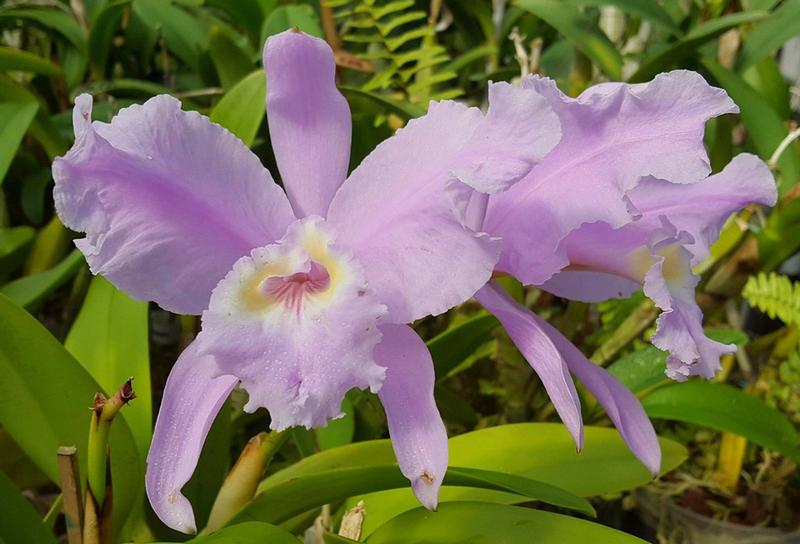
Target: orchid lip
point(293, 289)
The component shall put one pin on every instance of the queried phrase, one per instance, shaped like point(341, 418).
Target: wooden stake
point(71, 490)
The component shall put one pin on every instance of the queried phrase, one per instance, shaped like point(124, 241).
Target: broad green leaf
point(109, 339)
point(19, 522)
point(241, 109)
point(479, 522)
point(252, 532)
point(688, 45)
point(540, 451)
point(378, 104)
point(650, 11)
point(14, 243)
point(770, 34)
point(29, 291)
point(458, 342)
point(44, 395)
point(762, 122)
point(338, 432)
point(55, 19)
point(293, 497)
point(15, 118)
point(565, 17)
point(103, 28)
point(725, 408)
point(18, 466)
point(41, 128)
point(17, 59)
point(232, 63)
point(291, 16)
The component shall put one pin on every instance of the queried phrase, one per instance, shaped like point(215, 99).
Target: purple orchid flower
point(624, 200)
point(307, 294)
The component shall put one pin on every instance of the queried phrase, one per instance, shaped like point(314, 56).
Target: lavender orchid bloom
point(640, 210)
point(307, 294)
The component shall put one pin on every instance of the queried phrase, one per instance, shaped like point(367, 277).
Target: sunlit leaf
point(459, 522)
point(241, 109)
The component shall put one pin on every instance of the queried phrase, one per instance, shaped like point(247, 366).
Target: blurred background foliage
point(65, 335)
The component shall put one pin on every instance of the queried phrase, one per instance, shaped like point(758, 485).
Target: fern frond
point(775, 295)
point(398, 40)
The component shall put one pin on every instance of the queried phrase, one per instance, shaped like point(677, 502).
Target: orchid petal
point(193, 396)
point(309, 120)
point(296, 323)
point(702, 208)
point(611, 137)
point(401, 211)
point(418, 435)
point(540, 352)
point(167, 199)
point(670, 283)
point(622, 406)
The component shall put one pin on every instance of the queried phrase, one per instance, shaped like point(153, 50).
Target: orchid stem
point(240, 485)
point(632, 327)
point(785, 143)
point(103, 412)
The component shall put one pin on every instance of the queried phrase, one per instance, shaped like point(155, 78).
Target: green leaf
point(727, 409)
point(44, 395)
point(232, 63)
point(377, 104)
point(338, 432)
point(770, 34)
point(14, 243)
point(18, 520)
point(291, 16)
point(459, 522)
point(649, 11)
point(102, 30)
point(766, 78)
point(540, 451)
point(15, 118)
point(241, 109)
point(762, 122)
point(109, 339)
point(54, 19)
point(183, 33)
point(251, 532)
point(293, 497)
point(691, 42)
point(30, 290)
point(17, 59)
point(458, 342)
point(579, 29)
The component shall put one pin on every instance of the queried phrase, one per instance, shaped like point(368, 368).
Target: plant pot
point(683, 526)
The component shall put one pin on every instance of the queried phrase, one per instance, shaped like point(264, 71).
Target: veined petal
point(418, 435)
point(540, 352)
point(401, 211)
point(620, 404)
point(192, 398)
point(702, 208)
point(309, 120)
point(297, 324)
point(167, 199)
point(612, 136)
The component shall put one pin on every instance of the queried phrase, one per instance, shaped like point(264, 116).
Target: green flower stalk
point(103, 412)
